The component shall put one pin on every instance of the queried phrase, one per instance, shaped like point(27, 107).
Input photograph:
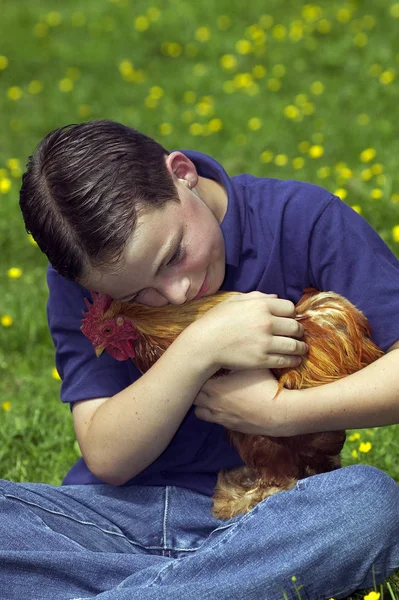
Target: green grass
point(175, 89)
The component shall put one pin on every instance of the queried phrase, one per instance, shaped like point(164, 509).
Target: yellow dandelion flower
point(373, 596)
point(316, 151)
point(215, 125)
point(203, 34)
point(376, 193)
point(53, 19)
point(223, 22)
point(369, 21)
point(341, 193)
point(259, 71)
point(32, 240)
point(266, 156)
point(395, 198)
point(126, 67)
point(394, 10)
point(244, 47)
point(196, 129)
point(293, 578)
point(324, 26)
point(72, 73)
point(395, 233)
point(274, 84)
point(55, 374)
point(360, 40)
point(6, 320)
point(204, 109)
point(6, 405)
point(355, 454)
point(66, 85)
point(13, 163)
point(254, 124)
point(365, 447)
point(252, 89)
point(228, 62)
point(14, 93)
point(3, 62)
point(35, 87)
point(189, 97)
point(323, 172)
point(40, 30)
point(279, 70)
point(153, 13)
point(355, 436)
point(165, 129)
point(308, 108)
point(5, 185)
point(78, 19)
point(84, 110)
point(367, 155)
point(366, 174)
point(156, 92)
point(357, 208)
point(281, 160)
point(243, 80)
point(387, 77)
point(298, 162)
point(291, 111)
point(14, 273)
point(311, 12)
point(317, 88)
point(279, 32)
point(377, 168)
point(344, 15)
point(141, 23)
point(296, 31)
point(266, 21)
point(303, 146)
point(173, 49)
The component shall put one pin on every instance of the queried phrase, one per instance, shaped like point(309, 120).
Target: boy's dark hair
point(85, 187)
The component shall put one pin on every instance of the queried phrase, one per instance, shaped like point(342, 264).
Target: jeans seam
point(107, 531)
point(165, 519)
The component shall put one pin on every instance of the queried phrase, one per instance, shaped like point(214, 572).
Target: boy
point(116, 213)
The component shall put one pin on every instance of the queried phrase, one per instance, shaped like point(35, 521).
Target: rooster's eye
point(107, 330)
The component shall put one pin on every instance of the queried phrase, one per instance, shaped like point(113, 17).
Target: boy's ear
point(185, 182)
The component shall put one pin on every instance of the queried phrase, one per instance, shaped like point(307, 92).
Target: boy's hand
point(249, 331)
point(243, 401)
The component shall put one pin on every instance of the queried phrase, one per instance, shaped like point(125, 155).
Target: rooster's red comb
point(95, 311)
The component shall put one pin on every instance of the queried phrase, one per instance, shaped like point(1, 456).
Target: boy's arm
point(132, 428)
point(245, 401)
point(367, 398)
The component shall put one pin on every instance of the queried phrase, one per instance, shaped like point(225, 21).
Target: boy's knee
point(374, 499)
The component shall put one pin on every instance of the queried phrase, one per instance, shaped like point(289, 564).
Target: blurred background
point(281, 89)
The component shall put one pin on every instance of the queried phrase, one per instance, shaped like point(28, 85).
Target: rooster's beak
point(99, 350)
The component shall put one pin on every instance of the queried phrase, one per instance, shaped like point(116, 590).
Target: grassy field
point(280, 88)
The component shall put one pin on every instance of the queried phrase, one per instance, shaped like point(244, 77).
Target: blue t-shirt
point(280, 237)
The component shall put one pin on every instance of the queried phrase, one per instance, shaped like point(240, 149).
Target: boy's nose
point(176, 291)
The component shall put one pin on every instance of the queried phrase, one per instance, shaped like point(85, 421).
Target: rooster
point(338, 336)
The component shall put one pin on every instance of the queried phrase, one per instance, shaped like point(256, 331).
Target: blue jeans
point(123, 543)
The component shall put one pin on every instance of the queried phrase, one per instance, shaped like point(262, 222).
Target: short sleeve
point(347, 256)
point(84, 376)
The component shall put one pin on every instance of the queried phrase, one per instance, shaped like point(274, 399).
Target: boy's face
point(172, 253)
